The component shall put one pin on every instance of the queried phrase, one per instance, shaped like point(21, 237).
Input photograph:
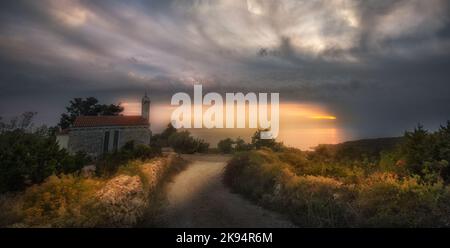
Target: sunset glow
point(323, 117)
point(302, 125)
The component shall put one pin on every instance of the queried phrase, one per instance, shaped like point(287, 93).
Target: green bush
point(258, 143)
point(28, 158)
point(310, 201)
point(386, 200)
point(183, 142)
point(161, 140)
point(324, 194)
point(225, 145)
point(427, 154)
point(241, 146)
point(73, 200)
point(29, 155)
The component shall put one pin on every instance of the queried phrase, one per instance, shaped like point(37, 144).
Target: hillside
point(360, 149)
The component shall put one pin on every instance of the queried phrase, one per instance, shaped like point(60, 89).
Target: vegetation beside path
point(405, 184)
point(120, 200)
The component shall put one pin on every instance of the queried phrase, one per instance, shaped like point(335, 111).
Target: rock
point(154, 172)
point(123, 201)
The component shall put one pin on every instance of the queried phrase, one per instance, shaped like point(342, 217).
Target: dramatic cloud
point(380, 65)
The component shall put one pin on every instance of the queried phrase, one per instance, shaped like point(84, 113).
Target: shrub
point(161, 140)
point(309, 200)
point(63, 201)
point(315, 201)
point(225, 146)
point(183, 142)
point(242, 146)
point(10, 209)
point(258, 143)
point(28, 158)
point(416, 149)
point(323, 194)
point(74, 201)
point(386, 200)
point(427, 154)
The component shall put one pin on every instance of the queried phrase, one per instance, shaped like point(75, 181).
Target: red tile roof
point(102, 121)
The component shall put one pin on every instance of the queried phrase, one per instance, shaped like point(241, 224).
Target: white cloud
point(414, 17)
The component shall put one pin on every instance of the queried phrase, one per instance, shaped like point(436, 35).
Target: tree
point(442, 151)
point(87, 107)
point(225, 145)
point(168, 131)
point(443, 142)
point(258, 143)
point(161, 140)
point(23, 122)
point(417, 148)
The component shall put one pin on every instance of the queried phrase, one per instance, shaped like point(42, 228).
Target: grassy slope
point(317, 194)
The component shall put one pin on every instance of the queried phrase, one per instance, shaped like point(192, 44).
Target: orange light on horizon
point(301, 125)
point(323, 117)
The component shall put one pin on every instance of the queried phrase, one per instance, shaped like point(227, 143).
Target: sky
point(379, 66)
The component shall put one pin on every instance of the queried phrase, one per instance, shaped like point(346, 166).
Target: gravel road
point(198, 198)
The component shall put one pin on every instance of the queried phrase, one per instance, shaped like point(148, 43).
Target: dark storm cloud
point(380, 66)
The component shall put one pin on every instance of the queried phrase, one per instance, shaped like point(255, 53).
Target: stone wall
point(86, 140)
point(91, 140)
point(124, 199)
point(138, 135)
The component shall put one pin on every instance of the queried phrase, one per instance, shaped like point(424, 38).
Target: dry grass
point(71, 200)
point(379, 199)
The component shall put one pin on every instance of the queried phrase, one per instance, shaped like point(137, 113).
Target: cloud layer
point(378, 64)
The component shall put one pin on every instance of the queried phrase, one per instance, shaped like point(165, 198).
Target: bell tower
point(145, 107)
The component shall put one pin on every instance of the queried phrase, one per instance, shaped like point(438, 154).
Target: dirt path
point(198, 198)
